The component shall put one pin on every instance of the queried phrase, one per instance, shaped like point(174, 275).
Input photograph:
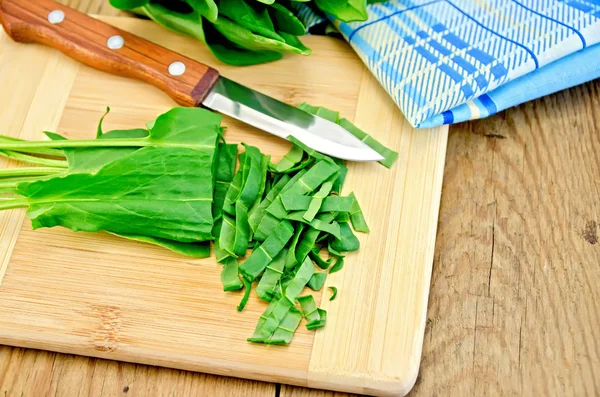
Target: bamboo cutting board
point(98, 295)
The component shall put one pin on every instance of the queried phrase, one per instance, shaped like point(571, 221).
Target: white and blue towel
point(447, 61)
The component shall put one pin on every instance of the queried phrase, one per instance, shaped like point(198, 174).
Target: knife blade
point(187, 81)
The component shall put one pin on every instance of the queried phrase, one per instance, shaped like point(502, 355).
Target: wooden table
point(514, 307)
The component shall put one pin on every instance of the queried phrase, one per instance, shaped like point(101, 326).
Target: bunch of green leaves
point(241, 32)
point(153, 185)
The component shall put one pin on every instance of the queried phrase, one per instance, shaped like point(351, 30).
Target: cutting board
point(98, 295)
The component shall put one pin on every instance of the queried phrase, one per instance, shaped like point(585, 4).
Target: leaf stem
point(33, 145)
point(26, 158)
point(29, 171)
point(7, 204)
point(44, 151)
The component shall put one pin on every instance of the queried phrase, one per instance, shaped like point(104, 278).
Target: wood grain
point(101, 296)
point(515, 299)
point(37, 373)
point(84, 38)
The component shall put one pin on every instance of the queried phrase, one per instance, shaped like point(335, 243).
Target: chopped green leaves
point(389, 155)
point(264, 254)
point(291, 159)
point(318, 323)
point(316, 281)
point(175, 185)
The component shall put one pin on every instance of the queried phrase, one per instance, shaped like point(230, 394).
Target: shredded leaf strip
point(230, 276)
point(334, 292)
point(356, 216)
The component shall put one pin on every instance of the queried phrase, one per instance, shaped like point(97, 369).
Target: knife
point(188, 82)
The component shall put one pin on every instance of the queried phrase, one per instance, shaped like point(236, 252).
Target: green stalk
point(29, 171)
point(27, 145)
point(47, 152)
point(8, 204)
point(26, 158)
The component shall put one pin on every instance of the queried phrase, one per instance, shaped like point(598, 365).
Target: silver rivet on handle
point(56, 16)
point(177, 68)
point(115, 42)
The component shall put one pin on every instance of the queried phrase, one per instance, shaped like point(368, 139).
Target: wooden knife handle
point(107, 48)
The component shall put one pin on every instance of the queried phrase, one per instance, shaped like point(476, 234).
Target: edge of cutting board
point(370, 368)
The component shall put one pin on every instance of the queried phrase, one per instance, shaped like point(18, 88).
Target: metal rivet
point(56, 16)
point(177, 68)
point(115, 42)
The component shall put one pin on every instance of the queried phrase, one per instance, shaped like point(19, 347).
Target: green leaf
point(257, 336)
point(253, 174)
point(254, 18)
point(330, 203)
point(264, 254)
point(318, 223)
point(99, 129)
point(295, 42)
point(345, 10)
point(224, 174)
point(310, 181)
point(128, 5)
point(229, 275)
point(287, 327)
point(189, 24)
point(285, 20)
point(347, 240)
point(316, 281)
point(269, 221)
point(320, 323)
point(280, 310)
point(311, 152)
point(339, 182)
point(127, 192)
point(244, 301)
point(308, 240)
point(389, 155)
point(90, 160)
point(334, 292)
point(299, 281)
point(317, 201)
point(290, 259)
point(291, 158)
point(194, 250)
point(339, 264)
point(322, 263)
point(271, 276)
point(356, 216)
point(309, 308)
point(226, 240)
point(228, 52)
point(246, 39)
point(327, 114)
point(207, 8)
point(258, 212)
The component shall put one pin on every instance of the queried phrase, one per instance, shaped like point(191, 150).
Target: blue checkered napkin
point(446, 61)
